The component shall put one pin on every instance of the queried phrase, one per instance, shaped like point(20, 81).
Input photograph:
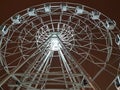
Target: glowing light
point(55, 45)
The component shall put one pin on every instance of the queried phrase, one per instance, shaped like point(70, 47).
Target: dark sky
point(108, 7)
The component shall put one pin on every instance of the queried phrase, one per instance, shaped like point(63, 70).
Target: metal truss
point(50, 47)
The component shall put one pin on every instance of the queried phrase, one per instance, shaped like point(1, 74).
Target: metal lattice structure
point(55, 46)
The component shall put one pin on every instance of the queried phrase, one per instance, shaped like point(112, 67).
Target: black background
point(111, 8)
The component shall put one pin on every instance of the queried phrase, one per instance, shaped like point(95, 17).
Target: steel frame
point(29, 39)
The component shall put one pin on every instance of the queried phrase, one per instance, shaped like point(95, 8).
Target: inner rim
point(65, 33)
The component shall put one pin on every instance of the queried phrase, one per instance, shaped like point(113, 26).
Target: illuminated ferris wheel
point(59, 46)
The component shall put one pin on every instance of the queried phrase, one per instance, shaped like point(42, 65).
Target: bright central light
point(55, 46)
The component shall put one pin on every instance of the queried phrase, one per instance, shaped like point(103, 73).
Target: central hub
point(55, 45)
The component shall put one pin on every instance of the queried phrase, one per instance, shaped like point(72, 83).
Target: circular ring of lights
point(86, 33)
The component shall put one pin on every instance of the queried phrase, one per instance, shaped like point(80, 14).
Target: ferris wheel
point(59, 46)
